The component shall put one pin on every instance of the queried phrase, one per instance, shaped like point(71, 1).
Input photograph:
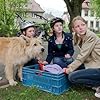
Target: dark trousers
point(87, 77)
point(62, 61)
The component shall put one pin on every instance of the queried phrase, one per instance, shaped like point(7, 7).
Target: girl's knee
point(68, 60)
point(56, 60)
point(72, 77)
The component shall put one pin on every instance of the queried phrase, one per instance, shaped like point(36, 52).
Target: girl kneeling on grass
point(89, 55)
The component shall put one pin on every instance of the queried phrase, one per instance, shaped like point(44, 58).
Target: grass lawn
point(21, 92)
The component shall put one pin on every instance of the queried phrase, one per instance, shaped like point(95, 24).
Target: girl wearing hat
point(89, 55)
point(60, 46)
point(28, 29)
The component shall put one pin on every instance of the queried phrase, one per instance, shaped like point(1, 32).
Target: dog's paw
point(12, 82)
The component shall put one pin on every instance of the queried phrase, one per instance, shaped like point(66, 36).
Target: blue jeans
point(62, 61)
point(87, 77)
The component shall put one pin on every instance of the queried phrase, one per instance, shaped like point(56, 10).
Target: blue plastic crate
point(54, 83)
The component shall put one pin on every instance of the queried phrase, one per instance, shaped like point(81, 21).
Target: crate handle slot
point(39, 73)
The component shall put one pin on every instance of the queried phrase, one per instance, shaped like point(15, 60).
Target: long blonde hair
point(75, 37)
point(77, 18)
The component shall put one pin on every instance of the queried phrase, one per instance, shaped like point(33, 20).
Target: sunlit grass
point(21, 92)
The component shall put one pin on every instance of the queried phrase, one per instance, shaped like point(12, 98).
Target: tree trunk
point(74, 8)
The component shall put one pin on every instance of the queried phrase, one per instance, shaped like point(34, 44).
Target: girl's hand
point(67, 56)
point(65, 70)
point(44, 62)
point(40, 61)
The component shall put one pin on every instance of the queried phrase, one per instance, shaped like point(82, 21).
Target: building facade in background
point(88, 14)
point(33, 12)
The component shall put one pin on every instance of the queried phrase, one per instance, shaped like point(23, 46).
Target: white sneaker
point(0, 78)
point(97, 94)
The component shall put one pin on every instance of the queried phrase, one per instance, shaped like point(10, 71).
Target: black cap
point(55, 20)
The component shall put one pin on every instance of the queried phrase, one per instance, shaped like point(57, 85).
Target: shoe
point(97, 94)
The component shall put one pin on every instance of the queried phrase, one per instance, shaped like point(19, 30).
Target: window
point(26, 6)
point(91, 24)
point(97, 24)
point(86, 12)
point(87, 22)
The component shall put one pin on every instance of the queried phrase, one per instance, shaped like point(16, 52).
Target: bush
point(8, 30)
point(98, 35)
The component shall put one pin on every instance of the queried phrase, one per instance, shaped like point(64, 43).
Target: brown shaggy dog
point(16, 51)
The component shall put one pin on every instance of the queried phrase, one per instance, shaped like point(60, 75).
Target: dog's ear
point(26, 39)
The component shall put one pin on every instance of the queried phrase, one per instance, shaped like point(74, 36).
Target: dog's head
point(35, 47)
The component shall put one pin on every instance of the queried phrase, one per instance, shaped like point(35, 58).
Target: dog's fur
point(16, 51)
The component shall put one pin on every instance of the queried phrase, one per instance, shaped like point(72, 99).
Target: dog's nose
point(42, 49)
